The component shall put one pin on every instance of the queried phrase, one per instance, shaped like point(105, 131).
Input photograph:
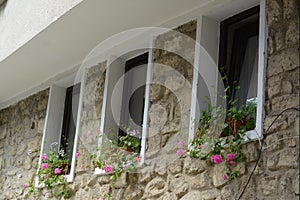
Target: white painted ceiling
point(66, 42)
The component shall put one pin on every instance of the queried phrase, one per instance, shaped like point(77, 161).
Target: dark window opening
point(238, 55)
point(133, 98)
point(70, 119)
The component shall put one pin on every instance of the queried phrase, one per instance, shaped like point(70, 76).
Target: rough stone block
point(2, 132)
point(270, 185)
point(274, 12)
point(155, 188)
point(289, 9)
point(274, 142)
point(285, 101)
point(133, 193)
point(178, 184)
point(286, 87)
point(287, 60)
point(203, 195)
point(279, 36)
point(104, 179)
point(272, 162)
point(250, 151)
point(217, 174)
point(200, 181)
point(176, 166)
point(194, 166)
point(168, 196)
point(273, 88)
point(292, 34)
point(289, 158)
point(158, 116)
point(296, 185)
point(121, 181)
point(145, 175)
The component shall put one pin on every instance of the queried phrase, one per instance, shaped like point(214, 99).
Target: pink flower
point(179, 152)
point(232, 163)
point(125, 166)
point(65, 177)
point(180, 143)
point(44, 165)
point(57, 171)
point(230, 157)
point(225, 177)
point(107, 168)
point(77, 154)
point(200, 146)
point(24, 185)
point(138, 158)
point(44, 157)
point(98, 131)
point(216, 159)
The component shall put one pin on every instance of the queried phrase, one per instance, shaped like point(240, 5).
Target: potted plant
point(52, 173)
point(220, 134)
point(115, 157)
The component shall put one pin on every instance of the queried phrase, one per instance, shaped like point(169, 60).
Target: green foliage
point(52, 173)
point(221, 132)
point(129, 143)
point(116, 157)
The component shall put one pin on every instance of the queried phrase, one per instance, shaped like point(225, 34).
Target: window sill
point(99, 171)
point(69, 179)
point(252, 135)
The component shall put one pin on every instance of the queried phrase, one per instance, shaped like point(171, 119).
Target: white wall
point(20, 21)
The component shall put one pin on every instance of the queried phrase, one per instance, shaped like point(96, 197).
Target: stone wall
point(91, 114)
point(280, 161)
point(171, 92)
point(21, 131)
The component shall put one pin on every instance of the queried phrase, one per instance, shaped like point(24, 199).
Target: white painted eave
point(65, 43)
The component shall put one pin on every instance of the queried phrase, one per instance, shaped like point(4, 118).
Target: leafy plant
point(52, 173)
point(220, 134)
point(115, 157)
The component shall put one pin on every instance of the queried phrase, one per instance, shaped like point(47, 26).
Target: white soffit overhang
point(66, 42)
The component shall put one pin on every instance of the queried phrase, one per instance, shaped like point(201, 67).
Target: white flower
point(134, 132)
point(61, 152)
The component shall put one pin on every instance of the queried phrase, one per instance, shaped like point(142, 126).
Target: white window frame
point(119, 60)
point(54, 119)
point(207, 37)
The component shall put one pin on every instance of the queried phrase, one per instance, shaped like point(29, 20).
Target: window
point(132, 110)
point(238, 55)
point(61, 120)
point(126, 97)
point(232, 43)
point(70, 120)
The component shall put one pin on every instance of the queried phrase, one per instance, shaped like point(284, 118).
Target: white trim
point(257, 132)
point(262, 61)
point(70, 177)
point(194, 101)
point(147, 102)
point(104, 102)
point(54, 118)
point(147, 98)
point(36, 181)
